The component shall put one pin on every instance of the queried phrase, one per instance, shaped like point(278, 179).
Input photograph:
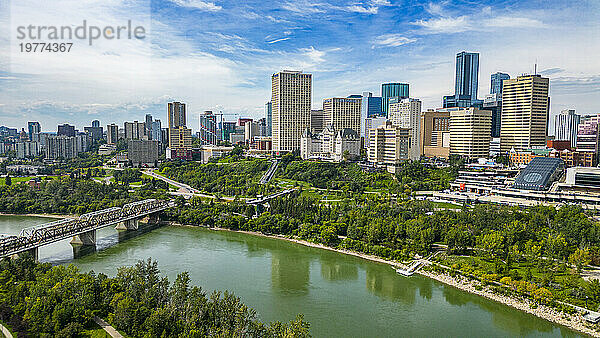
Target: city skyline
point(203, 66)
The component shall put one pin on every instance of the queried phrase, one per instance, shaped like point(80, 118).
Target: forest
point(544, 246)
point(60, 301)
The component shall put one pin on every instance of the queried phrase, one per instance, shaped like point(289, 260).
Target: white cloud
point(305, 7)
point(278, 40)
point(393, 40)
point(510, 21)
point(198, 4)
point(370, 7)
point(316, 56)
point(445, 25)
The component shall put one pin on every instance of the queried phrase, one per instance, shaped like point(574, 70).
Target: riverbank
point(574, 322)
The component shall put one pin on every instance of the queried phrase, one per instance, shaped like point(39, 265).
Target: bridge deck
point(37, 236)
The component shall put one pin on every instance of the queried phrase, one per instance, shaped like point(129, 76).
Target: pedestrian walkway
point(109, 329)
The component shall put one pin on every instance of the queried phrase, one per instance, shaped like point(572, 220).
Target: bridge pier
point(85, 238)
point(131, 224)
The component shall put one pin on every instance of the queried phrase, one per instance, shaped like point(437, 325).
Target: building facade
point(370, 107)
point(342, 113)
point(393, 90)
point(525, 108)
point(406, 113)
point(388, 144)
point(435, 133)
point(291, 98)
point(33, 128)
point(66, 130)
point(112, 133)
point(497, 79)
point(135, 130)
point(64, 147)
point(269, 118)
point(208, 128)
point(470, 132)
point(565, 126)
point(466, 82)
point(330, 145)
point(143, 152)
point(317, 122)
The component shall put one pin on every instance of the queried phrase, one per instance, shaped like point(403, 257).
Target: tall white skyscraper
point(291, 99)
point(406, 113)
point(565, 126)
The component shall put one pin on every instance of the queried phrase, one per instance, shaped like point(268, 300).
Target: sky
point(219, 54)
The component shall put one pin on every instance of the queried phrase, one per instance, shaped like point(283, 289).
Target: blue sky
point(219, 55)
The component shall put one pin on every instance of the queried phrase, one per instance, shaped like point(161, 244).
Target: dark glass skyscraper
point(467, 74)
point(390, 90)
point(496, 83)
point(467, 82)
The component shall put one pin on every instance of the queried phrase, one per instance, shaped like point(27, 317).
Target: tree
point(580, 258)
point(7, 180)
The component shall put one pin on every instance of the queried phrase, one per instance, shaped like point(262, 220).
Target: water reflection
point(333, 269)
point(290, 271)
point(384, 282)
point(80, 251)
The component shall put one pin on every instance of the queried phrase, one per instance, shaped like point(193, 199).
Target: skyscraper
point(370, 107)
point(269, 118)
point(291, 103)
point(435, 133)
point(176, 115)
point(33, 128)
point(180, 137)
point(406, 114)
point(470, 132)
point(112, 133)
point(466, 83)
point(390, 90)
point(525, 107)
point(148, 125)
point(157, 131)
point(95, 131)
point(341, 113)
point(496, 83)
point(565, 126)
point(135, 130)
point(208, 128)
point(66, 129)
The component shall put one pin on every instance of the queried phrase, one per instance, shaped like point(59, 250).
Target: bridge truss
point(33, 237)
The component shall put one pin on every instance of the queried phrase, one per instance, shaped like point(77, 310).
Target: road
point(184, 189)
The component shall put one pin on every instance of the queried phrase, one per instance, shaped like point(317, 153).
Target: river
point(339, 295)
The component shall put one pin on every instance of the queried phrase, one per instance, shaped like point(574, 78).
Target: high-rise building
point(95, 132)
point(470, 132)
point(406, 113)
point(251, 130)
point(157, 131)
point(66, 130)
point(496, 83)
point(370, 106)
point(269, 117)
point(176, 115)
point(180, 138)
point(135, 130)
point(388, 144)
point(64, 147)
point(525, 108)
point(33, 128)
point(392, 90)
point(317, 122)
point(112, 133)
point(148, 125)
point(435, 133)
point(342, 113)
point(588, 135)
point(493, 103)
point(27, 149)
point(291, 103)
point(208, 128)
point(143, 152)
point(371, 123)
point(466, 83)
point(565, 126)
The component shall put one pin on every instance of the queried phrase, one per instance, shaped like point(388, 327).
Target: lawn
point(15, 180)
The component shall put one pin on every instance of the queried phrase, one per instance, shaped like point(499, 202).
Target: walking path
point(109, 329)
point(4, 331)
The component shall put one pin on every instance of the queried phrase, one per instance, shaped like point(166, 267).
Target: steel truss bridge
point(31, 238)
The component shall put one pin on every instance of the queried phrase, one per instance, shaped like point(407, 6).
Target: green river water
point(340, 295)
